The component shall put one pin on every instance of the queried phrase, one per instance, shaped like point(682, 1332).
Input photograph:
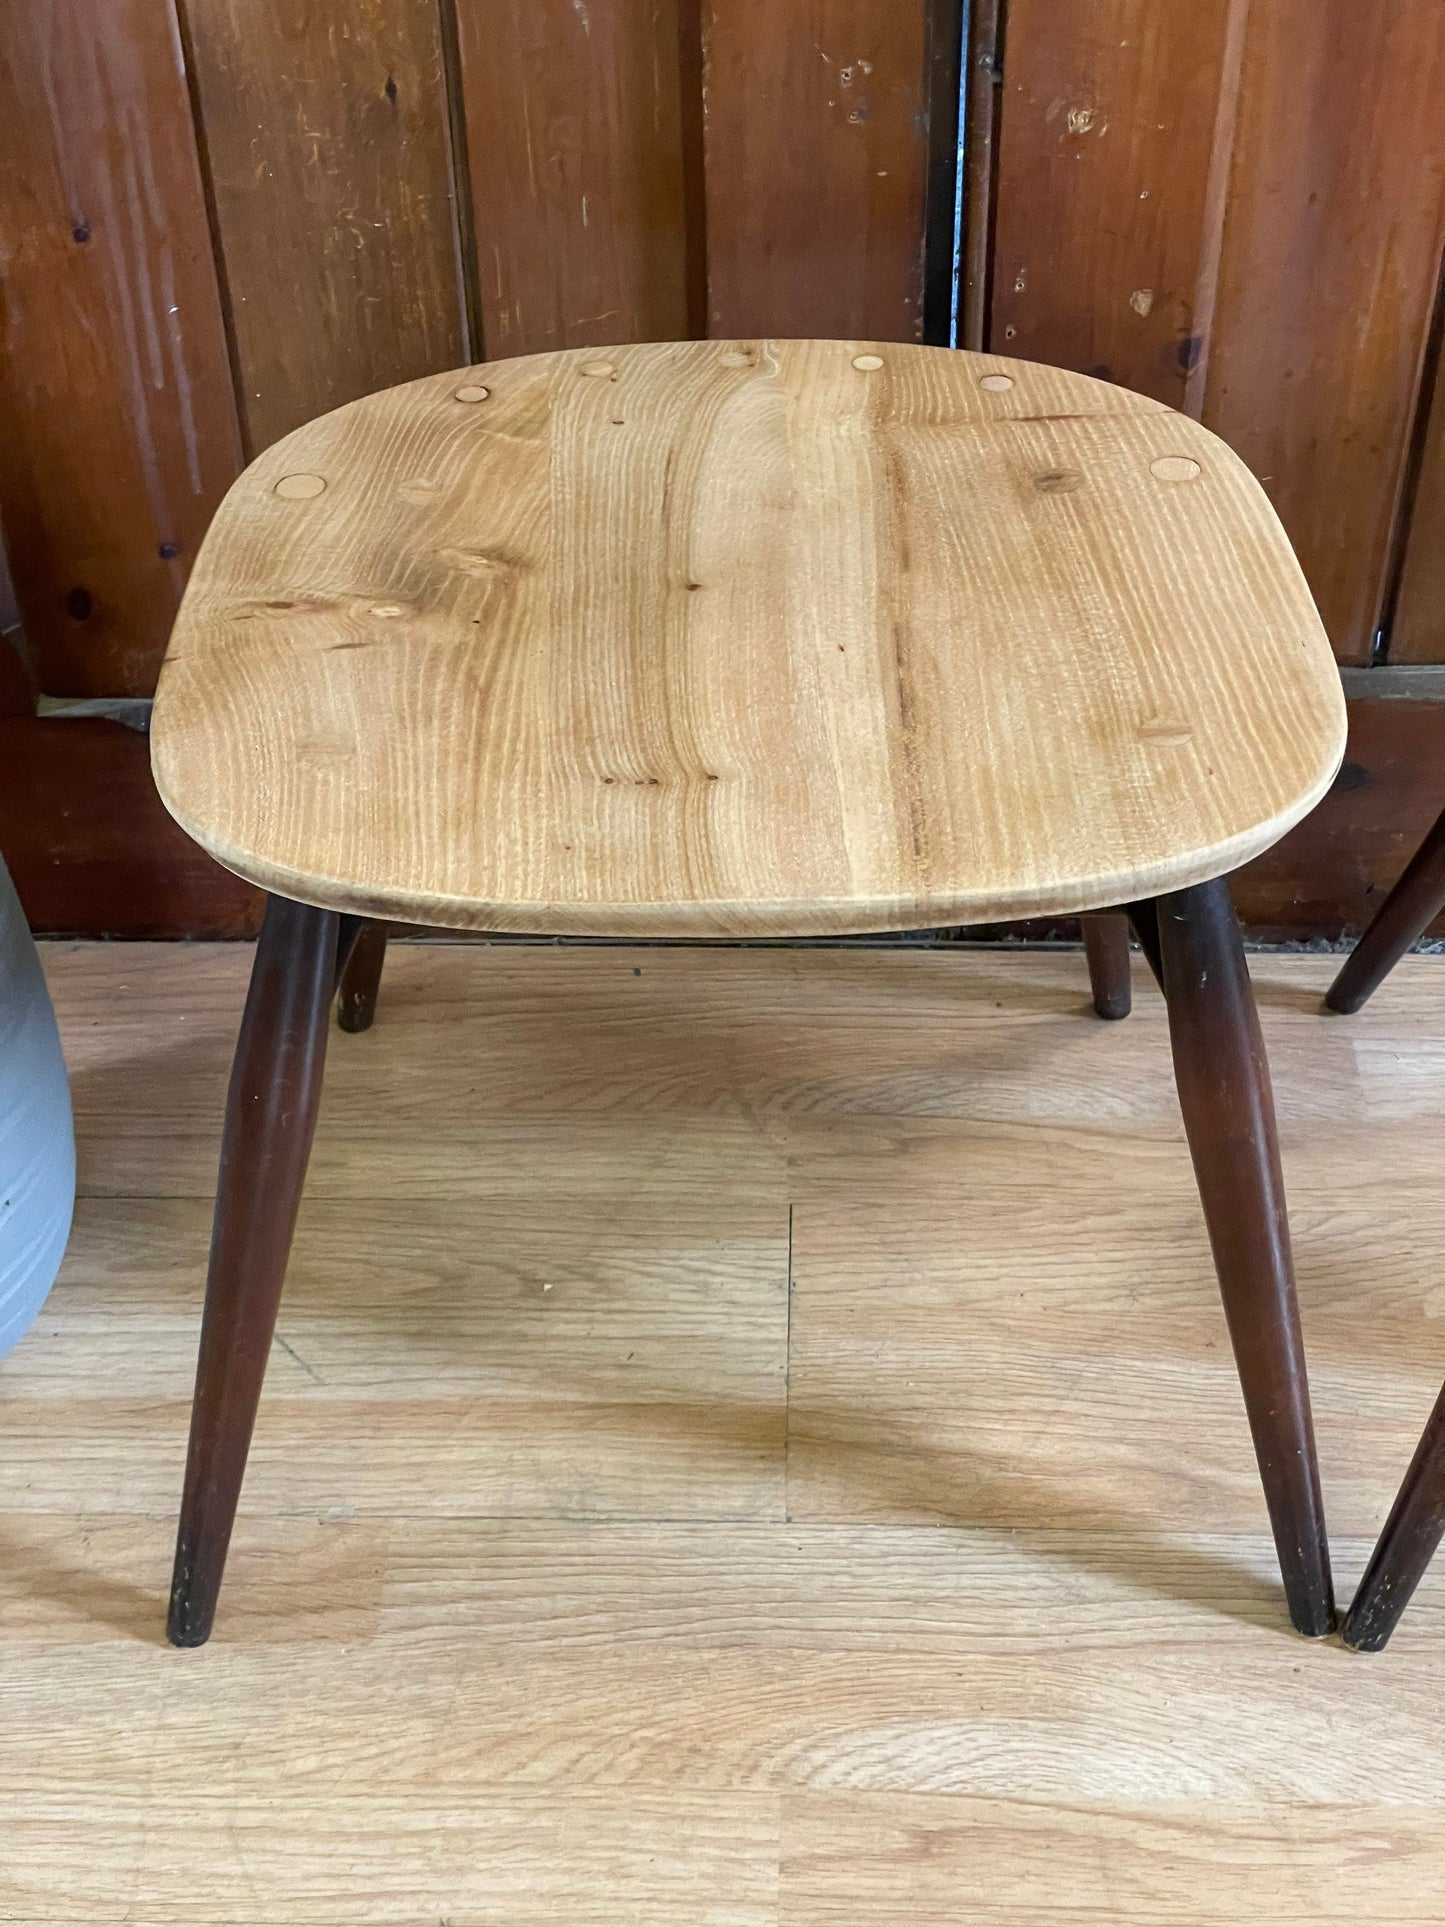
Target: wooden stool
point(731, 639)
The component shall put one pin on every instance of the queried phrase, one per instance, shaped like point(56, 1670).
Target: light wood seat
point(715, 638)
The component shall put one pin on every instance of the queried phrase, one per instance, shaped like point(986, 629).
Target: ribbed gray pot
point(37, 1137)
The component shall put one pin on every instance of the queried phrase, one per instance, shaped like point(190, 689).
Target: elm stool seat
point(754, 638)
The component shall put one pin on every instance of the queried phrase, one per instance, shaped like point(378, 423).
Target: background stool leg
point(1106, 943)
point(1224, 1093)
point(1411, 1537)
point(1414, 903)
point(1144, 920)
point(270, 1119)
point(361, 977)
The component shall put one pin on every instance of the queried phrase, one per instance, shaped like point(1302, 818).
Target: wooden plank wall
point(118, 431)
point(575, 123)
point(816, 168)
point(1418, 630)
point(1240, 209)
point(328, 154)
point(219, 217)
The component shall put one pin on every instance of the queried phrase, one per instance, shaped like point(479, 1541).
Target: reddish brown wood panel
point(117, 421)
point(1329, 876)
point(1113, 148)
point(90, 846)
point(329, 154)
point(1331, 254)
point(9, 608)
point(16, 696)
point(575, 121)
point(817, 163)
point(981, 85)
point(1418, 631)
point(1238, 208)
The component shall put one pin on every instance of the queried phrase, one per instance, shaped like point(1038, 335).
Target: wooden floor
point(751, 1439)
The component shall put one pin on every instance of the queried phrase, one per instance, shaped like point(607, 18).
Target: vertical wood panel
point(1331, 252)
point(117, 423)
point(329, 155)
point(946, 60)
point(1237, 207)
point(575, 124)
point(817, 162)
point(9, 608)
point(1331, 873)
point(1418, 631)
point(983, 84)
point(91, 846)
point(1114, 115)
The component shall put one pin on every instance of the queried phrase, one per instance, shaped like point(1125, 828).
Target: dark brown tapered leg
point(1414, 903)
point(270, 1118)
point(1144, 918)
point(1409, 1542)
point(360, 978)
point(1106, 942)
point(348, 929)
point(1224, 1093)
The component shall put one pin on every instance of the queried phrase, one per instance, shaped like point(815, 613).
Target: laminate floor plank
point(751, 1441)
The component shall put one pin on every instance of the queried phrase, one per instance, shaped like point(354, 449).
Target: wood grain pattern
point(1010, 1865)
point(1116, 125)
point(327, 139)
point(981, 1666)
point(1330, 261)
point(817, 165)
point(708, 639)
point(1239, 209)
point(117, 424)
point(575, 123)
point(1418, 631)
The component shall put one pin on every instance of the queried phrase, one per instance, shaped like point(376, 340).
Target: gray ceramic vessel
point(37, 1138)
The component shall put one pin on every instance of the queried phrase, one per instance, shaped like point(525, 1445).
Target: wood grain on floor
point(751, 1441)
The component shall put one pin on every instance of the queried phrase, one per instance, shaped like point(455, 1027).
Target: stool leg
point(1144, 919)
point(1412, 1534)
point(1414, 903)
point(1106, 943)
point(1224, 1093)
point(360, 977)
point(270, 1118)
